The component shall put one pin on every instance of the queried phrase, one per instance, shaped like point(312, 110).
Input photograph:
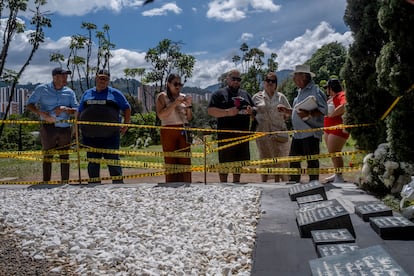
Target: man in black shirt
point(232, 107)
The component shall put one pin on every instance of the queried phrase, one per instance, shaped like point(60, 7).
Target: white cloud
point(246, 36)
point(300, 49)
point(81, 7)
point(206, 71)
point(169, 7)
point(235, 10)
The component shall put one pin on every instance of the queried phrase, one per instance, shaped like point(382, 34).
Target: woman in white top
point(270, 120)
point(174, 109)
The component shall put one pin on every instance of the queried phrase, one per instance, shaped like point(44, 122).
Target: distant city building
point(146, 95)
point(18, 102)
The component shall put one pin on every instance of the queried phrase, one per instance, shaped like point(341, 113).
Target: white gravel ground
point(136, 230)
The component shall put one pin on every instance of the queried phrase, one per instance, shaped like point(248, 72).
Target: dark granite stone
point(333, 216)
point(309, 199)
point(315, 205)
point(330, 236)
point(325, 250)
point(312, 188)
point(372, 209)
point(393, 228)
point(372, 260)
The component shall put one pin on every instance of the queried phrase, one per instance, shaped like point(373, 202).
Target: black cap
point(60, 71)
point(103, 72)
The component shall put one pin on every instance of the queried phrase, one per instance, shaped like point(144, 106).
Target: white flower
point(382, 150)
point(366, 170)
point(391, 165)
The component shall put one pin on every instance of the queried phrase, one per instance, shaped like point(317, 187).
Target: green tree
point(252, 67)
point(327, 61)
point(395, 67)
point(19, 137)
point(147, 119)
point(165, 59)
point(13, 26)
point(80, 55)
point(367, 101)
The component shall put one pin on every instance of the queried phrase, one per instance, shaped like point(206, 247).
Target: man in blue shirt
point(54, 102)
point(306, 142)
point(103, 103)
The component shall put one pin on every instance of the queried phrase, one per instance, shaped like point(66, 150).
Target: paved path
point(281, 251)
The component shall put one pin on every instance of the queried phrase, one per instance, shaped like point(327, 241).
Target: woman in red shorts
point(335, 139)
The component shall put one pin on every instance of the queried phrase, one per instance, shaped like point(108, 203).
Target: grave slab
point(372, 209)
point(393, 228)
point(373, 260)
point(309, 199)
point(331, 236)
point(325, 250)
point(333, 216)
point(311, 188)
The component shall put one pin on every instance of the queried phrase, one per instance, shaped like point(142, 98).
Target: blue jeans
point(112, 142)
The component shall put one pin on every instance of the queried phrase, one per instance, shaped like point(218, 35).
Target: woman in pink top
point(335, 139)
point(174, 110)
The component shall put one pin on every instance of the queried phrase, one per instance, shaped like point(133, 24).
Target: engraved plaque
point(325, 250)
point(312, 188)
point(329, 236)
point(333, 216)
point(372, 260)
point(315, 205)
point(373, 209)
point(393, 228)
point(309, 199)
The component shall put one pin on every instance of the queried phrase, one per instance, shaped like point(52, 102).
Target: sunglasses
point(177, 84)
point(103, 78)
point(270, 81)
point(236, 79)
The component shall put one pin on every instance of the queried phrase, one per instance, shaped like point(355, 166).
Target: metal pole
point(205, 159)
point(77, 149)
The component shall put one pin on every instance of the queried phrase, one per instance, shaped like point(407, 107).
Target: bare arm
point(127, 120)
point(163, 111)
point(42, 114)
point(222, 112)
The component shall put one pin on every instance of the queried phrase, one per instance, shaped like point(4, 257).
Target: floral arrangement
point(407, 200)
point(383, 174)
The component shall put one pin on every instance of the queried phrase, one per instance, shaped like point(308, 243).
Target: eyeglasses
point(270, 81)
point(236, 79)
point(177, 84)
point(103, 78)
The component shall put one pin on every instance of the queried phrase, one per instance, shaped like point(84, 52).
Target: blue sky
point(211, 30)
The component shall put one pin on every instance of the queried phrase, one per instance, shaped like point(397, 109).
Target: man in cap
point(54, 102)
point(306, 142)
point(103, 103)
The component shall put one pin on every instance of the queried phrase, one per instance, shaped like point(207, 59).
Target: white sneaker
point(330, 178)
point(339, 179)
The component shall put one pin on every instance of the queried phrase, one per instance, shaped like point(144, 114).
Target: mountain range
point(131, 85)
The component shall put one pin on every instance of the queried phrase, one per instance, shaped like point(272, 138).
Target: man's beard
point(234, 90)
